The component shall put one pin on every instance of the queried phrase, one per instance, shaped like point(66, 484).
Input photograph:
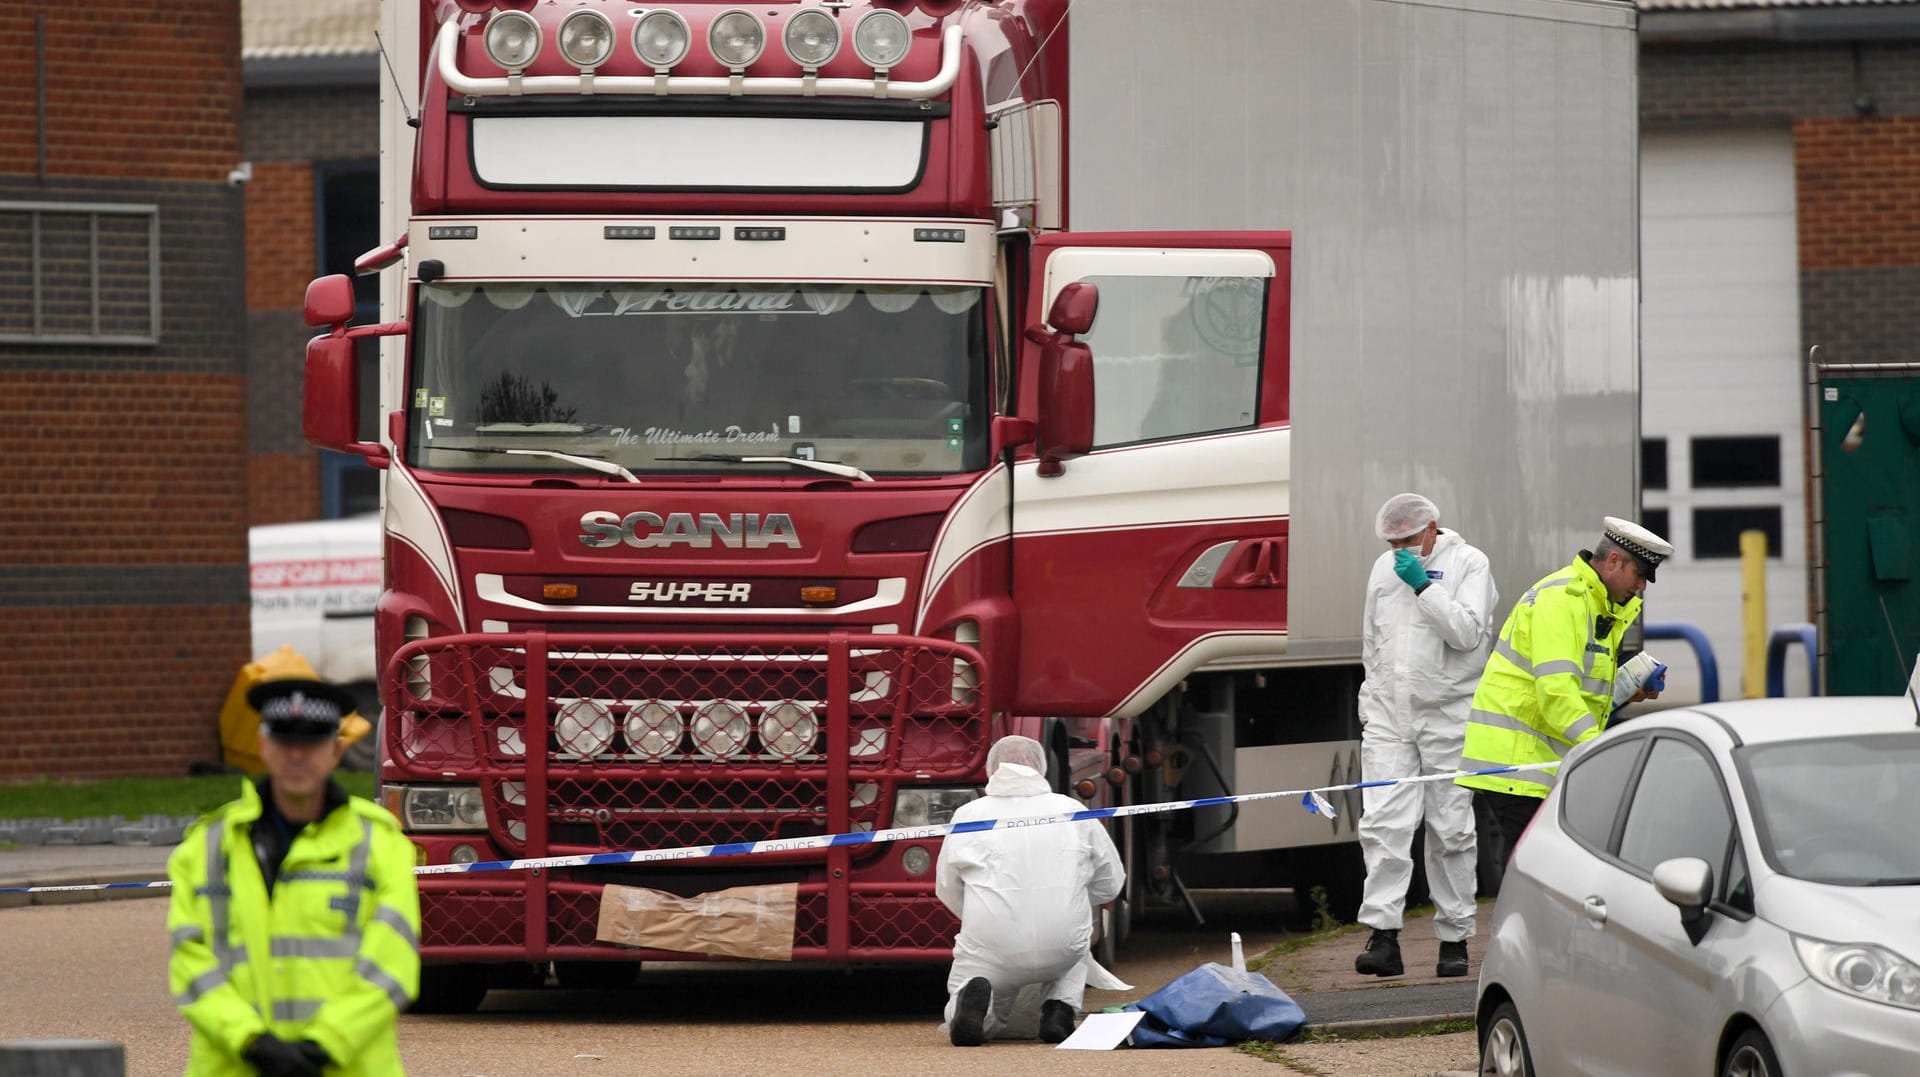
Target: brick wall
point(289, 134)
point(123, 583)
point(1855, 115)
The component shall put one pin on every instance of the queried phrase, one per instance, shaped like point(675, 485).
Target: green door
point(1870, 453)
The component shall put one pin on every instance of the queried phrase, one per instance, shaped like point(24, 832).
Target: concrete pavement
point(1319, 976)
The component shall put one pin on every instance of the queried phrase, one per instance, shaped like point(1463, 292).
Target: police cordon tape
point(1313, 800)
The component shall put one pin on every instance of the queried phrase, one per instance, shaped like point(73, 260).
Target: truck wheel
point(596, 975)
point(450, 989)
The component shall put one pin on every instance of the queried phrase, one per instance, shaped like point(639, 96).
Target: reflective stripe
point(1534, 777)
point(378, 977)
point(349, 903)
point(1511, 724)
point(391, 917)
point(1505, 650)
point(311, 946)
point(1596, 687)
point(1579, 728)
point(1534, 591)
point(219, 892)
point(187, 933)
point(320, 877)
point(296, 1009)
point(1557, 666)
point(200, 985)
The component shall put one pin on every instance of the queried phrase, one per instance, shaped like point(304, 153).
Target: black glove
point(315, 1054)
point(275, 1057)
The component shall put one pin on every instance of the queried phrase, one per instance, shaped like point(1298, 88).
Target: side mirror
point(330, 416)
point(329, 300)
point(1687, 881)
point(1066, 403)
point(1066, 377)
point(1074, 308)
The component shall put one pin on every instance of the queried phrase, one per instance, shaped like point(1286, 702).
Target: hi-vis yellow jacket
point(1548, 684)
point(332, 955)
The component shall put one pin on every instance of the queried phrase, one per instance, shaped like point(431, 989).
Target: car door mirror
point(1687, 881)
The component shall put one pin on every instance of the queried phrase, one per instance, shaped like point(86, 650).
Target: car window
point(1594, 786)
point(1678, 809)
point(1838, 810)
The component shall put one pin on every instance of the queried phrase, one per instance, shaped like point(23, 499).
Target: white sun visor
point(698, 152)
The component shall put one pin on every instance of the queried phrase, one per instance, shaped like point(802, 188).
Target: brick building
point(1780, 209)
point(312, 136)
point(123, 539)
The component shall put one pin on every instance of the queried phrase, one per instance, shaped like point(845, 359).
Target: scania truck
point(783, 401)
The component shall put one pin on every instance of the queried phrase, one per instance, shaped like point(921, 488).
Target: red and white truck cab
point(760, 446)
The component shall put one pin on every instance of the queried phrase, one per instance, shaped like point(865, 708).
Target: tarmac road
point(97, 970)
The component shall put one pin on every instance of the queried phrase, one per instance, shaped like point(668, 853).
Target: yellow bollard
point(1753, 613)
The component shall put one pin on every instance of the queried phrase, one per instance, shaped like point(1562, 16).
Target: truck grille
point(644, 742)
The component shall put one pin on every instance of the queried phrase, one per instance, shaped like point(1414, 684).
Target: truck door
point(1162, 549)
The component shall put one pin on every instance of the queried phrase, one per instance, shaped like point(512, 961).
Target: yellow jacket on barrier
point(332, 955)
point(1548, 684)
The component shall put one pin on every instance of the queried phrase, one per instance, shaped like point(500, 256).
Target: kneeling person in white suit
point(1025, 898)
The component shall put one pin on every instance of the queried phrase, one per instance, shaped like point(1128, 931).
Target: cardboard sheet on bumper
point(745, 921)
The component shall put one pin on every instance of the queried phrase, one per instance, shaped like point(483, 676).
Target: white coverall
point(1025, 900)
point(1422, 655)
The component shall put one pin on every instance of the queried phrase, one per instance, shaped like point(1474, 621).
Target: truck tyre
point(450, 989)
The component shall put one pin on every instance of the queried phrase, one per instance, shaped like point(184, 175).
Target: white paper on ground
point(1102, 1031)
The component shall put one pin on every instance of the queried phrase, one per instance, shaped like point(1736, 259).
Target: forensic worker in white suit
point(1425, 631)
point(1025, 898)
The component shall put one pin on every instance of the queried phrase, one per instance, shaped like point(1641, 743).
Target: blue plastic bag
point(1214, 1006)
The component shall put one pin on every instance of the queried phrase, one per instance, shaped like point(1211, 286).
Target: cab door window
point(1174, 356)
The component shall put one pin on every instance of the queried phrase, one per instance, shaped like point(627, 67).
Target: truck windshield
point(890, 379)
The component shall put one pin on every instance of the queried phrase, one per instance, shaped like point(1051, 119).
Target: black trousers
point(1510, 813)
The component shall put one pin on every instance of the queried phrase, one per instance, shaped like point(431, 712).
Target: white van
point(314, 588)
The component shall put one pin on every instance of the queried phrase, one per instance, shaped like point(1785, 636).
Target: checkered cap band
point(300, 707)
point(1635, 548)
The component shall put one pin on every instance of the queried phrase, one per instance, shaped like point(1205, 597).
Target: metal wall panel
point(1460, 180)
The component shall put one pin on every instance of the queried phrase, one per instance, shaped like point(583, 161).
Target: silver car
point(1730, 889)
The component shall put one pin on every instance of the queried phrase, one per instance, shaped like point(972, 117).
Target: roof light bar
point(657, 44)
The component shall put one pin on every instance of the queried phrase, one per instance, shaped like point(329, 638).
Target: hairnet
point(1404, 515)
point(1022, 750)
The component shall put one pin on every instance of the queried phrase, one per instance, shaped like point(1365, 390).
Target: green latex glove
point(1407, 566)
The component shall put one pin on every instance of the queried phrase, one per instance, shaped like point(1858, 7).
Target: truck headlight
point(787, 731)
point(881, 39)
point(513, 39)
point(736, 38)
point(436, 807)
point(660, 38)
point(1862, 970)
point(720, 730)
point(584, 728)
point(929, 805)
point(586, 39)
point(812, 37)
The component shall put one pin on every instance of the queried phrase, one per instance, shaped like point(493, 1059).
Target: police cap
point(297, 708)
point(1645, 547)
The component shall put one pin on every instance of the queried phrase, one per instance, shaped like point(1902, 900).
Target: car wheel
point(450, 989)
point(1503, 1046)
point(1751, 1056)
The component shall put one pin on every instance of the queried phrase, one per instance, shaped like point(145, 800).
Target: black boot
point(1382, 955)
point(969, 1025)
point(1453, 959)
point(1056, 1021)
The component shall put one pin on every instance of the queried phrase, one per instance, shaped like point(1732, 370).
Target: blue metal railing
point(1784, 637)
point(1702, 652)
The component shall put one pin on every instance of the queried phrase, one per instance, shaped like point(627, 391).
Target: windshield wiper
point(604, 466)
point(845, 471)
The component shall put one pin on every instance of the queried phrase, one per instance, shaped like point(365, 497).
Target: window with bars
point(79, 273)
